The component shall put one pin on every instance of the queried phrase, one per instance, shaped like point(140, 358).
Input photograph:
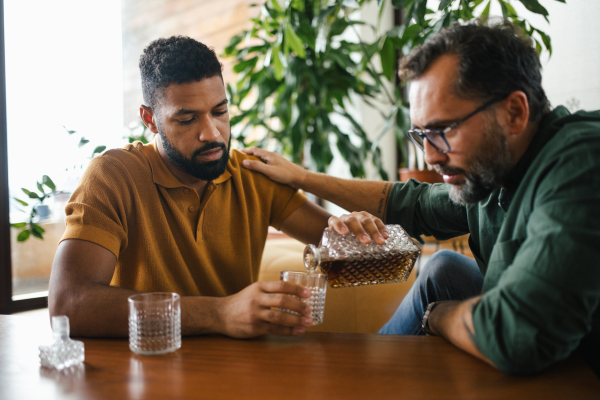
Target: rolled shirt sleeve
point(426, 209)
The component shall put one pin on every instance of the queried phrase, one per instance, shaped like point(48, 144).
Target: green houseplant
point(31, 228)
point(423, 18)
point(297, 70)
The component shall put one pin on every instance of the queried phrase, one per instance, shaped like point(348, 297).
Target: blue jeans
point(447, 275)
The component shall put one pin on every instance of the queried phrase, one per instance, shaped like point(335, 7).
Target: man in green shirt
point(522, 180)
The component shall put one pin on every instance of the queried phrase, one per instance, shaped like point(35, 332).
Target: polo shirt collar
point(161, 174)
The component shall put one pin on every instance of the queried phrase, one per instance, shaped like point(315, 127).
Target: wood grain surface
point(314, 366)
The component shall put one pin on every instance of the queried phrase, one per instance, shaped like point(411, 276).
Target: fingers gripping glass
point(437, 137)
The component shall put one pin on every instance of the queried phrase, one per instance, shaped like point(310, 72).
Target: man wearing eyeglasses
point(523, 180)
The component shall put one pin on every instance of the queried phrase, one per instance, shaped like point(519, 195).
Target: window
point(74, 63)
point(62, 94)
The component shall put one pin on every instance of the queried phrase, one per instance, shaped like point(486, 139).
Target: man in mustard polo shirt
point(179, 215)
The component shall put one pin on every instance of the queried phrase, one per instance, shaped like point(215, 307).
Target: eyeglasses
point(437, 137)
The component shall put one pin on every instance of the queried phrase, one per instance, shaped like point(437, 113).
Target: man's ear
point(148, 118)
point(517, 108)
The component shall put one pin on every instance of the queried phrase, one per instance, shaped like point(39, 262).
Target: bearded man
point(522, 180)
point(180, 215)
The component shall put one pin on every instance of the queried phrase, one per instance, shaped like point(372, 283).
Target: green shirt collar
point(544, 134)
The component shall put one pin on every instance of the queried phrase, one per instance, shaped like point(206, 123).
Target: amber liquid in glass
point(383, 268)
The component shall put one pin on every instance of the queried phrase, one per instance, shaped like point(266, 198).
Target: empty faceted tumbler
point(154, 323)
point(347, 262)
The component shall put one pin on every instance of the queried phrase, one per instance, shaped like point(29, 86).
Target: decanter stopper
point(64, 352)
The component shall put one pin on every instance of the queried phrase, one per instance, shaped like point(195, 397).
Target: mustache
point(444, 170)
point(209, 146)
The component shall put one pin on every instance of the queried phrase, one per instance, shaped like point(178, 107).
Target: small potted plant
point(39, 210)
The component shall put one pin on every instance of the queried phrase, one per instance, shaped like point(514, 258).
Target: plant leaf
point(510, 10)
point(503, 8)
point(82, 142)
point(48, 182)
point(31, 195)
point(538, 46)
point(485, 14)
point(36, 234)
point(231, 47)
point(547, 41)
point(100, 149)
point(23, 236)
point(293, 41)
point(298, 5)
point(244, 65)
point(70, 132)
point(21, 202)
point(19, 225)
point(388, 58)
point(535, 7)
point(35, 228)
point(401, 4)
point(445, 4)
point(276, 5)
point(277, 64)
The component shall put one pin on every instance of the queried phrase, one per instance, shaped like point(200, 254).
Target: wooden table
point(314, 366)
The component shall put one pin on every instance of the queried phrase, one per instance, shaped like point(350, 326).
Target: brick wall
point(213, 22)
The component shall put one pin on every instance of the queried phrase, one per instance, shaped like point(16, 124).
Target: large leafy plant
point(301, 61)
point(297, 72)
point(424, 18)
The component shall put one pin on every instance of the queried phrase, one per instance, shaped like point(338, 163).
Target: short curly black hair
point(178, 59)
point(494, 60)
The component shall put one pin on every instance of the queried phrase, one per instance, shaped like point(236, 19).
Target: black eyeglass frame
point(424, 133)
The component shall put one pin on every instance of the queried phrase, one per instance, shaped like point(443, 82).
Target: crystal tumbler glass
point(317, 283)
point(154, 323)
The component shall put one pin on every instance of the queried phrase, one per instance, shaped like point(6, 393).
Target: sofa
point(362, 309)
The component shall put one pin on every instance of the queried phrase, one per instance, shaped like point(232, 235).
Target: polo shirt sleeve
point(97, 210)
point(542, 305)
point(286, 200)
point(426, 209)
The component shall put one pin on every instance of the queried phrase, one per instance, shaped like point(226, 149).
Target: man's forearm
point(102, 311)
point(453, 320)
point(350, 194)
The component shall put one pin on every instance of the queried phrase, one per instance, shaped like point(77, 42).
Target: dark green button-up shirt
point(536, 241)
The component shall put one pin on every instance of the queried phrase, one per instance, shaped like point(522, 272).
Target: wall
point(213, 22)
point(572, 75)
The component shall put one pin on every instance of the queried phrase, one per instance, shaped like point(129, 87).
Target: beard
point(203, 170)
point(488, 168)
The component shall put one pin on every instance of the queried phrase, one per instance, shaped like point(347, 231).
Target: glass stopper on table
point(64, 352)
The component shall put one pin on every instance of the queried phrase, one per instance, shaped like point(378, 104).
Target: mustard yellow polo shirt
point(164, 236)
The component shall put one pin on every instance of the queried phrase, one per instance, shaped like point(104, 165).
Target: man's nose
point(208, 130)
point(432, 155)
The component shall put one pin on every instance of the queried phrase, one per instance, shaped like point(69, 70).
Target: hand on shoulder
point(275, 167)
